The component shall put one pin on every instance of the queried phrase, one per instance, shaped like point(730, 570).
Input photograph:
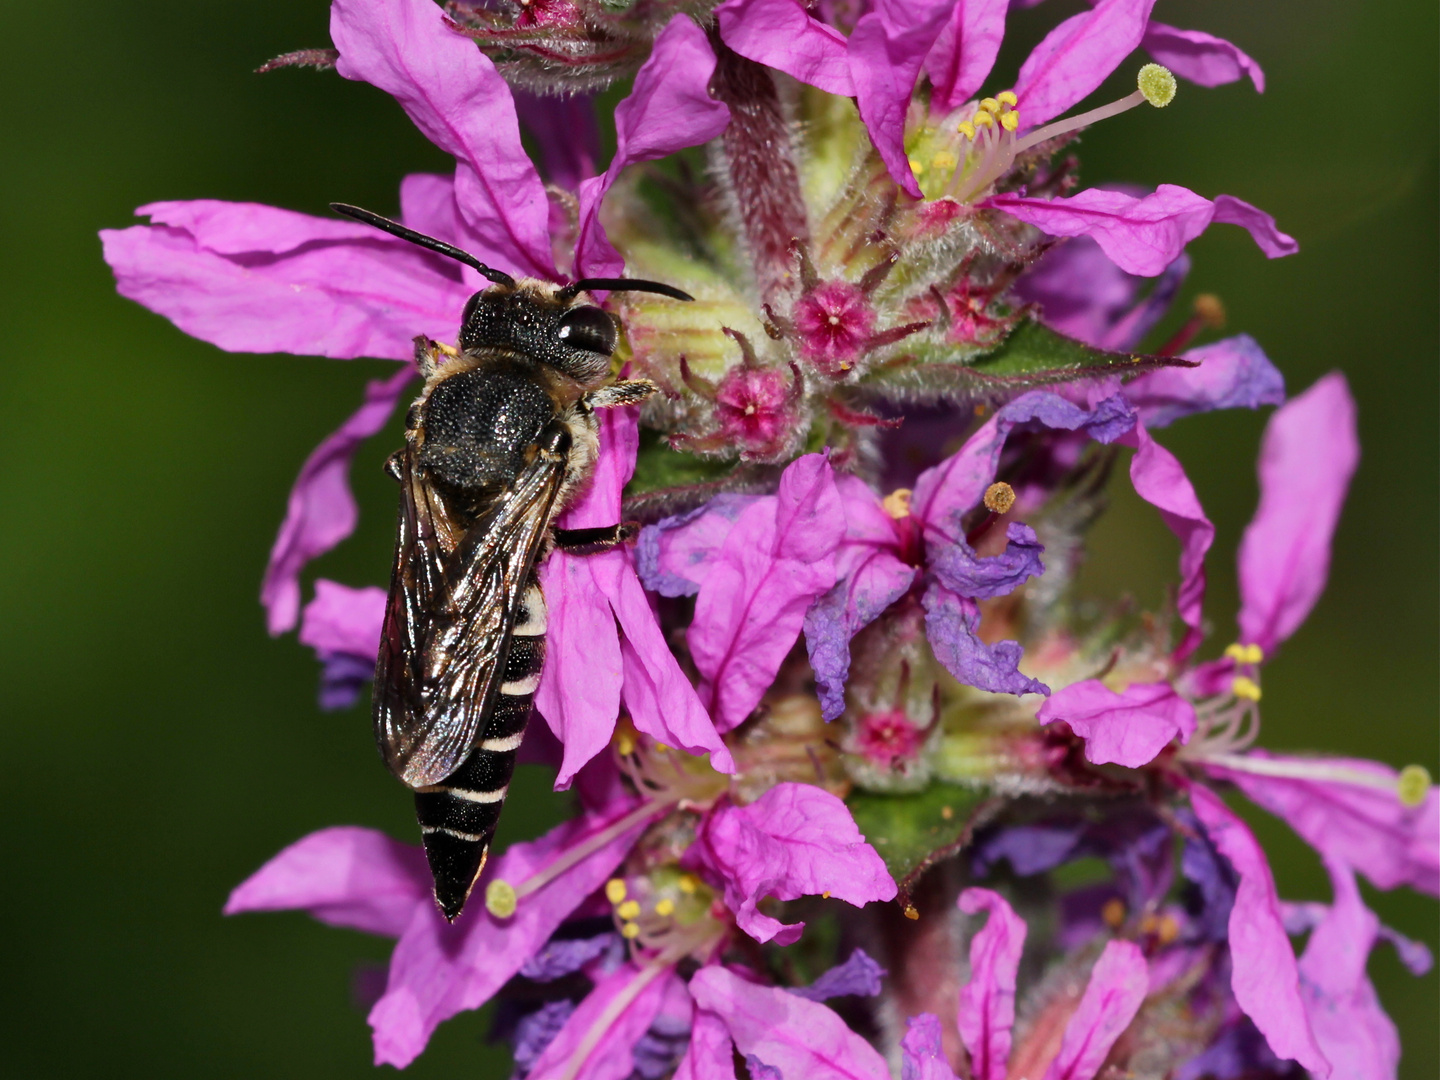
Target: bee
point(501, 438)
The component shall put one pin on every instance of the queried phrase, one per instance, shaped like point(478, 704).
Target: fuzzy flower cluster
point(839, 678)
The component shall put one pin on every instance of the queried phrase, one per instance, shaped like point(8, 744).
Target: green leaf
point(913, 830)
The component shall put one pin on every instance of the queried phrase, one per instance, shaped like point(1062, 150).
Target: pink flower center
point(752, 406)
point(887, 737)
point(834, 322)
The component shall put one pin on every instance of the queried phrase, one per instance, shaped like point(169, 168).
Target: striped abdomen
point(459, 814)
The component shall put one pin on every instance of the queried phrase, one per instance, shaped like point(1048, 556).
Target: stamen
point(897, 503)
point(1010, 120)
point(1008, 97)
point(967, 129)
point(665, 908)
point(615, 890)
point(999, 497)
point(1152, 89)
point(1412, 785)
point(500, 899)
point(630, 931)
point(1323, 771)
point(1157, 84)
point(991, 104)
point(1245, 654)
point(1113, 912)
point(1245, 688)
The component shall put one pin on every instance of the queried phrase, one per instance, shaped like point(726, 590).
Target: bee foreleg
point(625, 392)
point(594, 541)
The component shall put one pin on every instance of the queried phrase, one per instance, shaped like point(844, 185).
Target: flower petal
point(777, 559)
point(1112, 998)
point(795, 840)
point(673, 556)
point(669, 109)
point(965, 51)
point(780, 34)
point(1233, 374)
point(967, 574)
point(800, 1038)
point(1261, 226)
point(343, 620)
point(566, 133)
point(1128, 728)
point(951, 626)
point(921, 1055)
point(603, 1031)
point(1077, 56)
point(859, 976)
point(1202, 58)
point(1264, 976)
point(345, 876)
point(458, 100)
point(1308, 455)
point(321, 511)
point(986, 1013)
point(710, 1055)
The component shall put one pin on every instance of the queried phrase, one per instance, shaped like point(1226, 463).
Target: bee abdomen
point(458, 815)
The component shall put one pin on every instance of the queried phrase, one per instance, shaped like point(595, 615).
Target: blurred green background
point(159, 746)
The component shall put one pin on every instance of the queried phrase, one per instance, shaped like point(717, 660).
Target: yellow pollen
point(911, 912)
point(1210, 310)
point(665, 907)
point(688, 883)
point(825, 895)
point(943, 160)
point(615, 890)
point(1008, 97)
point(916, 167)
point(1413, 785)
point(630, 931)
point(1245, 654)
point(991, 104)
point(1157, 84)
point(1245, 688)
point(946, 813)
point(500, 899)
point(967, 129)
point(1113, 912)
point(983, 118)
point(1235, 652)
point(999, 497)
point(628, 910)
point(624, 743)
point(1169, 929)
point(897, 503)
point(660, 746)
point(1010, 120)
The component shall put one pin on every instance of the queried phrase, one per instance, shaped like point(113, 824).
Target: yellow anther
point(916, 167)
point(1235, 652)
point(1210, 310)
point(1008, 97)
point(944, 160)
point(1253, 655)
point(624, 743)
point(983, 118)
point(825, 895)
point(1167, 929)
point(946, 813)
point(628, 910)
point(991, 104)
point(911, 912)
point(967, 129)
point(688, 883)
point(1157, 84)
point(500, 899)
point(1113, 912)
point(1413, 785)
point(615, 890)
point(897, 503)
point(1245, 688)
point(660, 746)
point(630, 931)
point(665, 907)
point(999, 497)
point(1010, 120)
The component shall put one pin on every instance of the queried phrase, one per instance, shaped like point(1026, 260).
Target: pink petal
point(921, 1055)
point(669, 109)
point(886, 50)
point(965, 51)
point(321, 511)
point(308, 285)
point(438, 970)
point(1127, 728)
point(599, 504)
point(986, 1014)
point(1362, 825)
point(455, 97)
point(779, 34)
point(710, 1055)
point(1264, 976)
point(428, 203)
point(1233, 374)
point(803, 1039)
point(343, 620)
point(1308, 455)
point(1261, 226)
point(345, 876)
point(675, 555)
point(1112, 998)
point(776, 560)
point(1200, 57)
point(1077, 56)
point(795, 840)
point(566, 131)
point(1160, 480)
point(637, 993)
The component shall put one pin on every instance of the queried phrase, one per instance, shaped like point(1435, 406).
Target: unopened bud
point(1413, 785)
point(999, 497)
point(500, 899)
point(1157, 84)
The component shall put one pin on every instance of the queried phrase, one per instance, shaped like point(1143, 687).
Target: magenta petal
point(673, 556)
point(795, 840)
point(1308, 455)
point(599, 504)
point(438, 970)
point(1112, 998)
point(321, 511)
point(1364, 825)
point(1264, 976)
point(1128, 728)
point(1077, 56)
point(921, 1055)
point(669, 109)
point(711, 1054)
point(1261, 226)
point(780, 34)
point(777, 559)
point(1233, 374)
point(803, 1039)
point(965, 51)
point(455, 97)
point(343, 620)
point(345, 876)
point(987, 1002)
point(605, 1037)
point(1202, 58)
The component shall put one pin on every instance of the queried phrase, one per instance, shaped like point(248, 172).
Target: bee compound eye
point(588, 328)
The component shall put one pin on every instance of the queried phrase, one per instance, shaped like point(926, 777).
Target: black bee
point(502, 435)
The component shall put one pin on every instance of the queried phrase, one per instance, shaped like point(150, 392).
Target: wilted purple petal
point(343, 620)
point(1261, 226)
point(1308, 455)
point(1030, 849)
point(1112, 998)
point(669, 109)
point(673, 556)
point(321, 511)
point(800, 1038)
point(1215, 884)
point(795, 840)
point(922, 1057)
point(1233, 374)
point(777, 559)
point(1264, 976)
point(658, 1052)
point(951, 625)
point(1240, 1051)
point(780, 34)
point(964, 572)
point(637, 992)
point(537, 1030)
point(1414, 955)
point(986, 1012)
point(1077, 56)
point(1128, 331)
point(965, 51)
point(343, 679)
point(758, 1070)
point(345, 876)
point(1080, 290)
point(1129, 728)
point(561, 956)
point(454, 95)
point(566, 133)
point(711, 1055)
point(1202, 58)
point(858, 975)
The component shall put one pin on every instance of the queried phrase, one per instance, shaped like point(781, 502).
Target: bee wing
point(448, 619)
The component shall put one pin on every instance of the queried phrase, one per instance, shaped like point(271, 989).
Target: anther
point(1010, 120)
point(1008, 97)
point(615, 890)
point(983, 118)
point(946, 160)
point(630, 931)
point(1412, 785)
point(991, 104)
point(897, 503)
point(500, 899)
point(1211, 309)
point(1113, 912)
point(662, 748)
point(688, 883)
point(911, 912)
point(967, 129)
point(628, 911)
point(825, 895)
point(1157, 84)
point(624, 743)
point(665, 907)
point(916, 167)
point(1245, 688)
point(999, 497)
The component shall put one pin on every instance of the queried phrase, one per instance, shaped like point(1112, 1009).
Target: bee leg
point(594, 541)
point(393, 465)
point(625, 392)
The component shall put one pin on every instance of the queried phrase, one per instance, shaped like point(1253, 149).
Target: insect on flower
point(501, 437)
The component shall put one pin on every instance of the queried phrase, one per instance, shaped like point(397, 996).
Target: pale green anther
point(1157, 84)
point(500, 899)
point(1413, 785)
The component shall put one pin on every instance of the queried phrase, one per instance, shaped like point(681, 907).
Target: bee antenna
point(394, 228)
point(620, 284)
